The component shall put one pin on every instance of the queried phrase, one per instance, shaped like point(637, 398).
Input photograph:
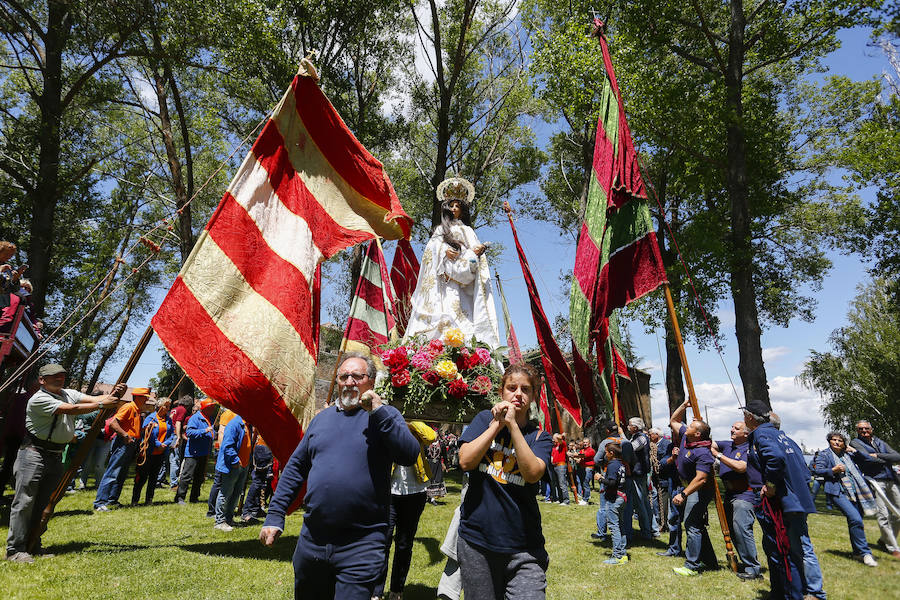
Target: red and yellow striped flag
point(239, 317)
point(371, 321)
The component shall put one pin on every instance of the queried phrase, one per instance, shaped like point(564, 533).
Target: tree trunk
point(747, 329)
point(46, 192)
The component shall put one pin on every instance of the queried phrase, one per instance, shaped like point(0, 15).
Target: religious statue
point(454, 286)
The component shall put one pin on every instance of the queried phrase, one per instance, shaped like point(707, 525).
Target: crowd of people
point(369, 475)
point(15, 291)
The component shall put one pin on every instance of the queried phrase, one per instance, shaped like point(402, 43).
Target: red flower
point(431, 377)
point(396, 359)
point(435, 347)
point(482, 384)
point(458, 388)
point(463, 361)
point(400, 378)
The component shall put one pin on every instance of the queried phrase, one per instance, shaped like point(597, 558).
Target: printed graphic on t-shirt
point(500, 463)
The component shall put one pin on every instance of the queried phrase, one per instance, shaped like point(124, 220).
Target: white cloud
point(774, 353)
point(798, 407)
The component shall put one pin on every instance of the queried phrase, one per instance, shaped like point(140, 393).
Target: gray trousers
point(888, 522)
point(490, 575)
point(37, 473)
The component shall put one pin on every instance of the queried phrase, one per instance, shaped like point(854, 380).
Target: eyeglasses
point(344, 377)
point(864, 429)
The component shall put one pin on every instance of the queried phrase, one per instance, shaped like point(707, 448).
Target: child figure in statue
point(454, 287)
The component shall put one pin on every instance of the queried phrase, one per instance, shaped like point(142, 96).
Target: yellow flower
point(454, 337)
point(446, 369)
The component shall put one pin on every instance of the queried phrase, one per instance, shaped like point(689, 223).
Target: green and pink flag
point(617, 259)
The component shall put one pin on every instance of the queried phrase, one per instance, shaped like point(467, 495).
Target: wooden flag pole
point(695, 409)
point(87, 442)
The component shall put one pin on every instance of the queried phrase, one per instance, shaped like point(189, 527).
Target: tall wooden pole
point(695, 409)
point(87, 442)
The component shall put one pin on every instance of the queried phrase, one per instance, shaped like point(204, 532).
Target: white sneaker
point(582, 503)
point(869, 560)
point(223, 527)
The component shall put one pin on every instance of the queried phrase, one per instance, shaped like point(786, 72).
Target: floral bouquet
point(442, 379)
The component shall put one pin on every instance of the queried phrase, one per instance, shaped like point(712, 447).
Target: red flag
point(512, 342)
point(559, 376)
point(545, 408)
point(371, 319)
point(239, 317)
point(404, 275)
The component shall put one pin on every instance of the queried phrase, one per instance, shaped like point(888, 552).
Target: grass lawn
point(168, 551)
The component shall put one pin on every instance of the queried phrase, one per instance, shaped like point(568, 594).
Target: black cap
point(757, 406)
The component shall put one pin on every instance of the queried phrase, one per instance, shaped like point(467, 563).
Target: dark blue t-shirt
point(739, 486)
point(500, 512)
point(691, 460)
point(614, 480)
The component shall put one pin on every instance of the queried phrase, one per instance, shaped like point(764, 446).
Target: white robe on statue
point(454, 293)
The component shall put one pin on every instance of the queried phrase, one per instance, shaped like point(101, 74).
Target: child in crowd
point(614, 493)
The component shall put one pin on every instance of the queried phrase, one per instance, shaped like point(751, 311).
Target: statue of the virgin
point(454, 285)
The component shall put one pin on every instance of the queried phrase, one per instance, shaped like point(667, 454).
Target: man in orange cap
point(127, 426)
point(199, 444)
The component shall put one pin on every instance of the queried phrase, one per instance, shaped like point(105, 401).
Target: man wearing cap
point(127, 426)
point(784, 503)
point(200, 435)
point(345, 459)
point(49, 426)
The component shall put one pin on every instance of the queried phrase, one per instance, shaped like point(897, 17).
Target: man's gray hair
point(758, 418)
point(655, 430)
point(775, 420)
point(370, 364)
point(863, 421)
point(637, 422)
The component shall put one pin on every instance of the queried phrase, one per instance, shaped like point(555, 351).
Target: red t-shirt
point(589, 454)
point(558, 453)
point(181, 415)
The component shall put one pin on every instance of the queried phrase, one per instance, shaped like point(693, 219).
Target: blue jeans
point(785, 574)
point(675, 517)
point(586, 484)
point(740, 522)
point(232, 484)
point(562, 483)
point(601, 514)
point(853, 514)
point(804, 554)
point(111, 484)
point(698, 550)
point(614, 515)
point(175, 458)
point(639, 501)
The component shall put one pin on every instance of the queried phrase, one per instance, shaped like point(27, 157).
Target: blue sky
point(785, 349)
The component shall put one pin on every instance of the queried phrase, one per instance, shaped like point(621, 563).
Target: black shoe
point(666, 553)
point(598, 536)
point(749, 576)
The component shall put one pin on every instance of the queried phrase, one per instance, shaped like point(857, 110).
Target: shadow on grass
point(72, 512)
point(433, 547)
point(417, 591)
point(282, 550)
point(841, 553)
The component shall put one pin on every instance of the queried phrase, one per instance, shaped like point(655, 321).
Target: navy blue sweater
point(345, 458)
point(780, 461)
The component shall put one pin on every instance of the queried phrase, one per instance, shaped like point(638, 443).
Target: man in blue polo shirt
point(785, 501)
point(694, 464)
point(742, 484)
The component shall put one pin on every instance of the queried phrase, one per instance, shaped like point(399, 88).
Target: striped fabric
point(404, 275)
point(239, 318)
point(617, 259)
point(512, 342)
point(371, 321)
point(547, 425)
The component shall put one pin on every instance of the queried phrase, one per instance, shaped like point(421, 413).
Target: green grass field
point(168, 551)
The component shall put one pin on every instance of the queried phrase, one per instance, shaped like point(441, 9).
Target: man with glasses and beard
point(345, 459)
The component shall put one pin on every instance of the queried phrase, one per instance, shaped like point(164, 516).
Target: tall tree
point(747, 51)
point(860, 378)
point(58, 53)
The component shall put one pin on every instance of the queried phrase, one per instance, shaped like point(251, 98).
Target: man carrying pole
point(49, 425)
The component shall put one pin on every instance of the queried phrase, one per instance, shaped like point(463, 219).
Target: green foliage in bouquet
point(443, 379)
